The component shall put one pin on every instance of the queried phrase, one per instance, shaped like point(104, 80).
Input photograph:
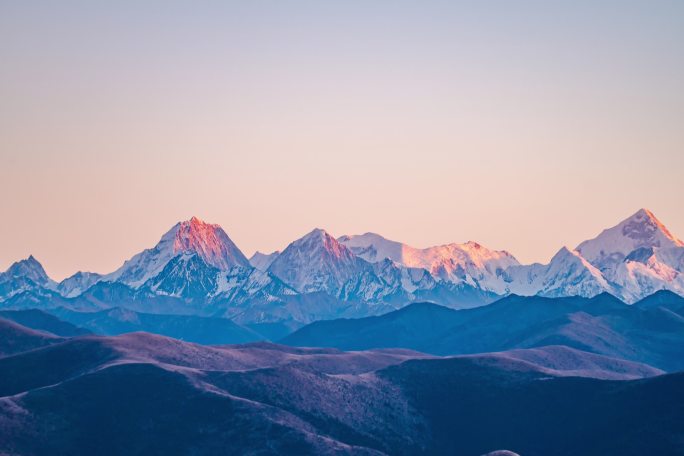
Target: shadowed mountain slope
point(15, 338)
point(43, 321)
point(203, 330)
point(601, 325)
point(146, 394)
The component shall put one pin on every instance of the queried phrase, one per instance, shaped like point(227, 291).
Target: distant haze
point(520, 125)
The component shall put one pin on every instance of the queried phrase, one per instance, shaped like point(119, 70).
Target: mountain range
point(146, 394)
point(196, 269)
point(650, 331)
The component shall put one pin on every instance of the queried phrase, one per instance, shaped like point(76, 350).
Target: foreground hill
point(146, 394)
point(15, 338)
point(652, 334)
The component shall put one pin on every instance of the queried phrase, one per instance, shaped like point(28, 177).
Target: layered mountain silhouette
point(140, 393)
point(650, 331)
point(190, 328)
point(43, 321)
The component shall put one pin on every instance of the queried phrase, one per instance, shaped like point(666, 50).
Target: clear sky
point(521, 125)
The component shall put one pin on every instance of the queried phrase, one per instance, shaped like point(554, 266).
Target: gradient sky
point(521, 125)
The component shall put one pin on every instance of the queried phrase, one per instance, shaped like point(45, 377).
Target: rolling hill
point(145, 394)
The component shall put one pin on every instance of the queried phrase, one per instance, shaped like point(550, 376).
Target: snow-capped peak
point(262, 261)
point(22, 276)
point(638, 256)
point(374, 248)
point(316, 262)
point(193, 236)
point(645, 214)
point(77, 283)
point(29, 268)
point(321, 239)
point(564, 256)
point(210, 242)
point(567, 274)
point(469, 263)
point(640, 230)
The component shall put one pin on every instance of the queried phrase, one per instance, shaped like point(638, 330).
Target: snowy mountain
point(262, 261)
point(208, 241)
point(647, 270)
point(24, 275)
point(241, 284)
point(386, 282)
point(469, 263)
point(567, 274)
point(613, 245)
point(630, 260)
point(320, 263)
point(317, 262)
point(185, 276)
point(78, 283)
point(639, 256)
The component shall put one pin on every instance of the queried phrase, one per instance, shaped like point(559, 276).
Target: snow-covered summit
point(638, 256)
point(567, 274)
point(374, 248)
point(24, 275)
point(640, 230)
point(262, 261)
point(29, 268)
point(193, 236)
point(77, 283)
point(317, 262)
point(631, 260)
point(210, 242)
point(469, 263)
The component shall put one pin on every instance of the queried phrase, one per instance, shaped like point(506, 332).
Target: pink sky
point(523, 129)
